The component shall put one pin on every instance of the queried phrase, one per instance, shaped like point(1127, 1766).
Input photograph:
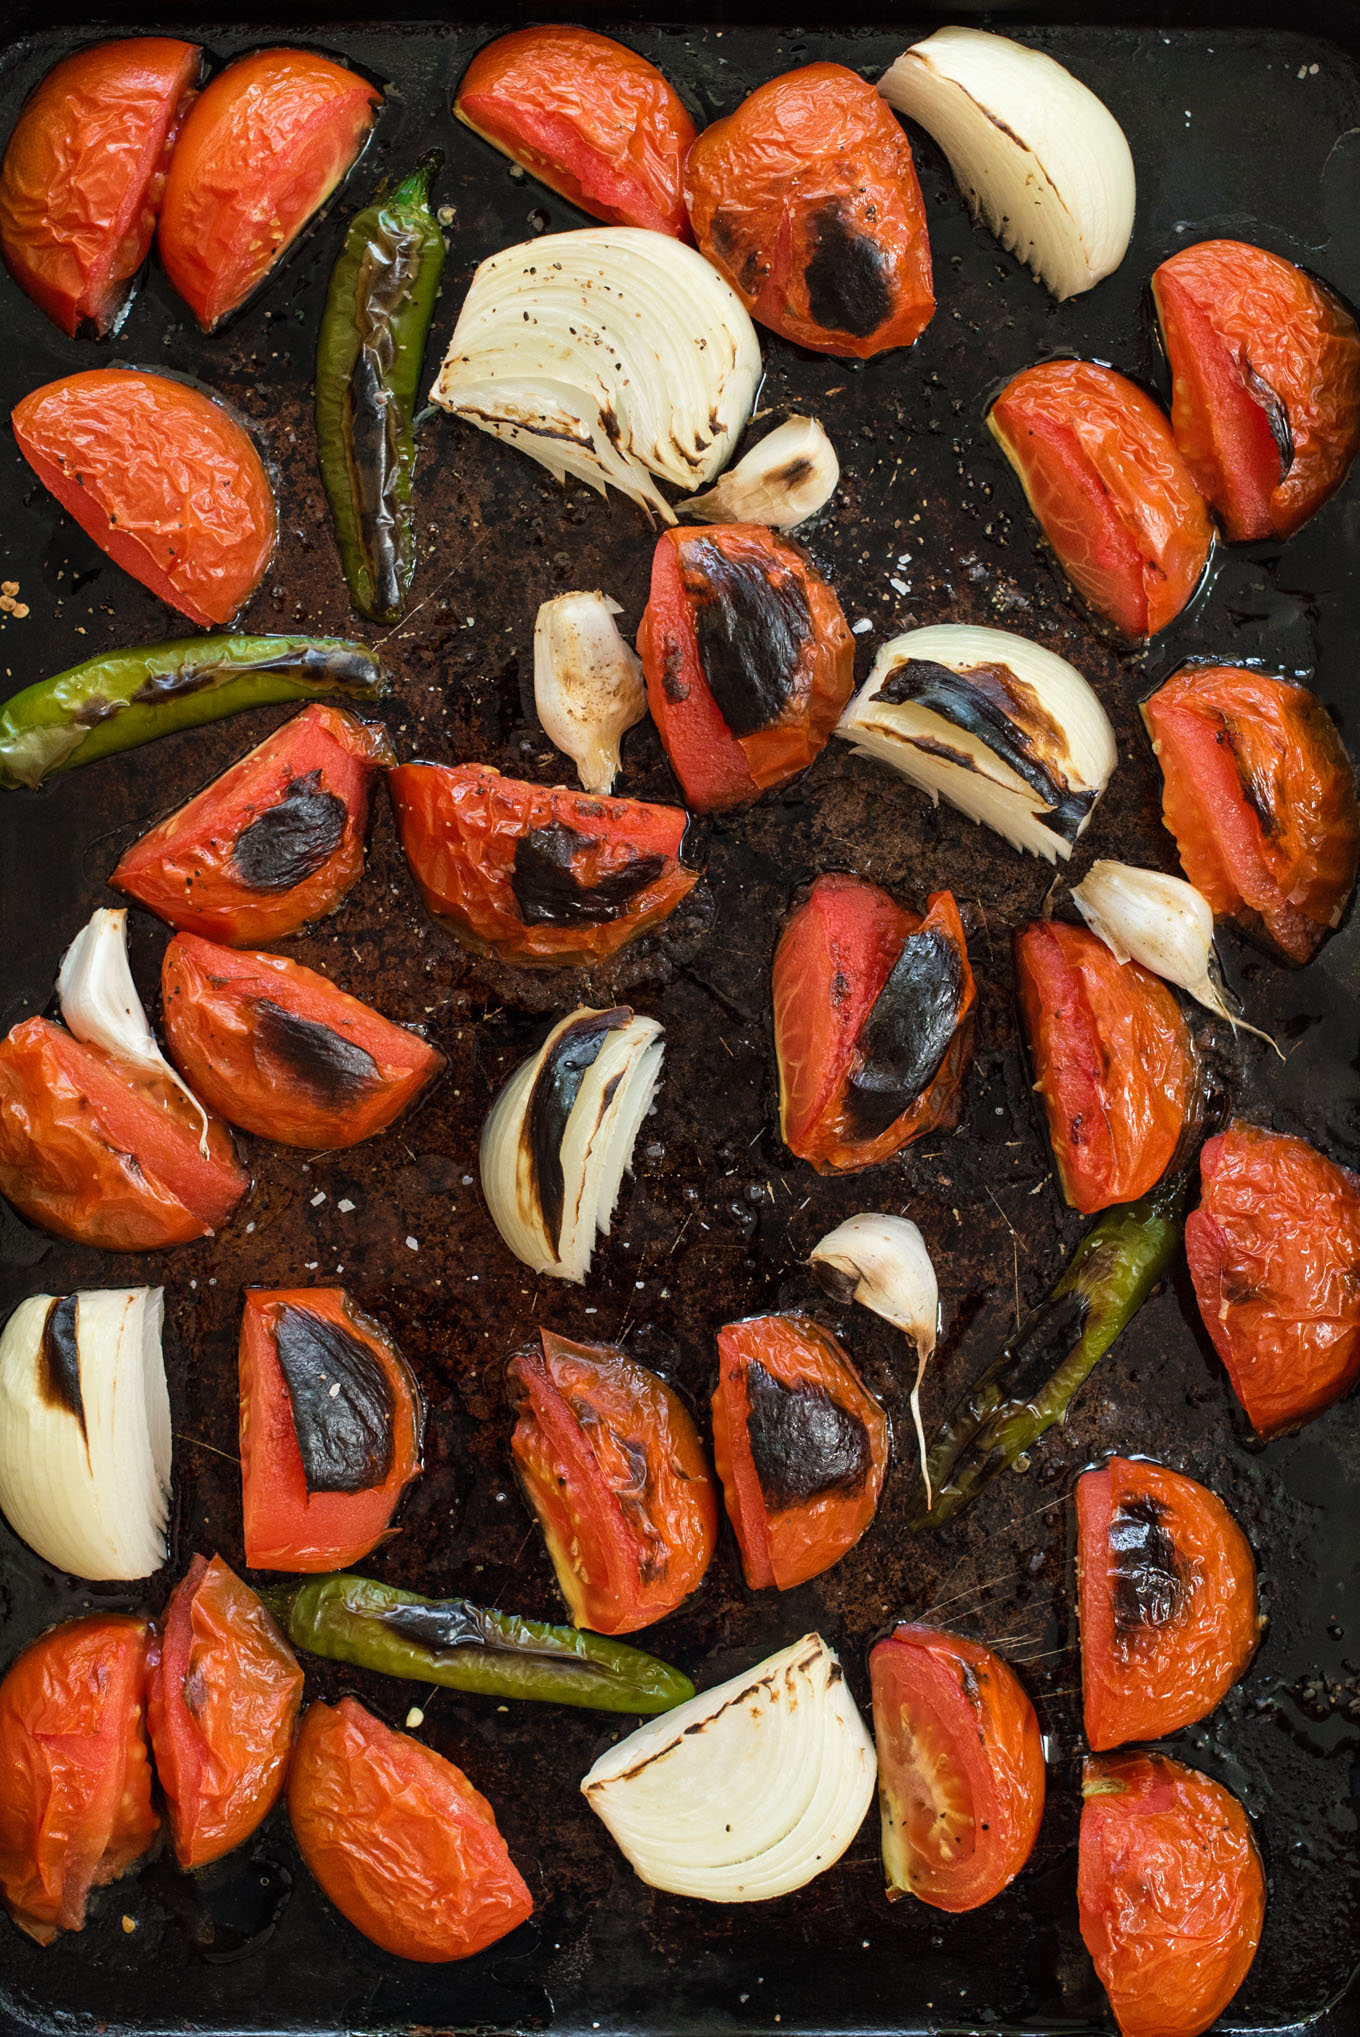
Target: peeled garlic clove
point(788, 477)
point(100, 1005)
point(588, 684)
point(882, 1263)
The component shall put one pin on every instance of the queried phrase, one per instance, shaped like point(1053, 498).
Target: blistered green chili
point(368, 359)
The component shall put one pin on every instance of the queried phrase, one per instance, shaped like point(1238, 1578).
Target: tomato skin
point(1114, 1063)
point(75, 1777)
point(611, 1464)
point(806, 199)
point(799, 1494)
point(1260, 795)
point(955, 1703)
point(1116, 500)
point(223, 1695)
point(1167, 1595)
point(588, 117)
point(83, 174)
point(1273, 1249)
point(1234, 318)
point(265, 144)
point(464, 829)
point(314, 774)
point(1170, 1891)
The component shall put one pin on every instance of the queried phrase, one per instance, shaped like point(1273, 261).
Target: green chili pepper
point(1031, 1383)
point(465, 1647)
point(368, 358)
point(130, 697)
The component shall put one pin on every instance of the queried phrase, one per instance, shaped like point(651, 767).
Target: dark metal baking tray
point(1249, 130)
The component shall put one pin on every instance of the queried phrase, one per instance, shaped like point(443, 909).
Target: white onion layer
point(588, 685)
point(100, 1005)
point(787, 477)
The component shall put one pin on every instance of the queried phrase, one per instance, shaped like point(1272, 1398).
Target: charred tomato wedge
point(610, 1461)
point(1112, 493)
point(275, 842)
point(1170, 1892)
point(801, 1447)
point(1166, 1589)
point(533, 873)
point(1260, 795)
point(873, 1023)
point(1265, 370)
point(960, 1767)
point(223, 1695)
point(806, 199)
point(280, 1051)
point(330, 1423)
point(1274, 1249)
point(748, 660)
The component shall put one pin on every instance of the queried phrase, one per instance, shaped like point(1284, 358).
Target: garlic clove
point(588, 684)
point(789, 476)
point(100, 1005)
point(882, 1263)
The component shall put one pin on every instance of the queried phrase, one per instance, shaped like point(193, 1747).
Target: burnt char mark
point(331, 1069)
point(449, 1626)
point(849, 279)
point(374, 432)
point(752, 624)
point(555, 1090)
point(1256, 790)
point(549, 893)
point(1046, 1337)
point(343, 1405)
point(59, 1360)
point(907, 1034)
point(804, 1443)
point(355, 671)
point(1277, 417)
point(290, 841)
point(1147, 1582)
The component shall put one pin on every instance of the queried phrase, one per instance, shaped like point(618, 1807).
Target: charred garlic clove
point(788, 477)
point(588, 685)
point(882, 1263)
point(100, 1005)
point(1005, 731)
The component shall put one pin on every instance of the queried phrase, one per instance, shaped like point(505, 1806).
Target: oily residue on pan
point(552, 1100)
point(59, 1358)
point(907, 1033)
point(291, 840)
point(331, 1069)
point(342, 1401)
point(803, 1442)
point(549, 891)
point(752, 625)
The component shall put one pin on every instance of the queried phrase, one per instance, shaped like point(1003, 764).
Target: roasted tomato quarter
point(801, 1447)
point(1114, 1064)
point(223, 1697)
point(960, 1768)
point(806, 199)
point(162, 477)
point(1167, 1595)
point(75, 1777)
point(1170, 1892)
point(1116, 499)
point(533, 873)
point(263, 147)
point(1265, 367)
point(275, 842)
point(610, 1462)
point(399, 1839)
point(1274, 1252)
point(330, 1429)
point(1260, 795)
point(587, 117)
point(873, 1023)
point(83, 175)
point(280, 1051)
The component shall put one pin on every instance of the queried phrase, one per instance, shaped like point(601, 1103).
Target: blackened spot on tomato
point(342, 1401)
point(330, 1068)
point(1147, 1582)
point(59, 1360)
point(290, 841)
point(548, 891)
point(731, 243)
point(752, 624)
point(673, 682)
point(907, 1034)
point(803, 1443)
point(849, 279)
point(1277, 417)
point(556, 1088)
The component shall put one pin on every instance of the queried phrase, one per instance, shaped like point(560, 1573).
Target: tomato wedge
point(162, 477)
point(801, 1447)
point(280, 1051)
point(1273, 1249)
point(330, 1429)
point(1116, 500)
point(960, 1767)
point(75, 1778)
point(83, 174)
point(610, 1461)
point(534, 873)
point(275, 842)
point(873, 1023)
point(1170, 1892)
point(399, 1839)
point(748, 660)
point(263, 147)
point(587, 117)
point(806, 199)
point(1114, 1063)
point(223, 1697)
point(1260, 795)
point(1265, 367)
point(1167, 1593)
